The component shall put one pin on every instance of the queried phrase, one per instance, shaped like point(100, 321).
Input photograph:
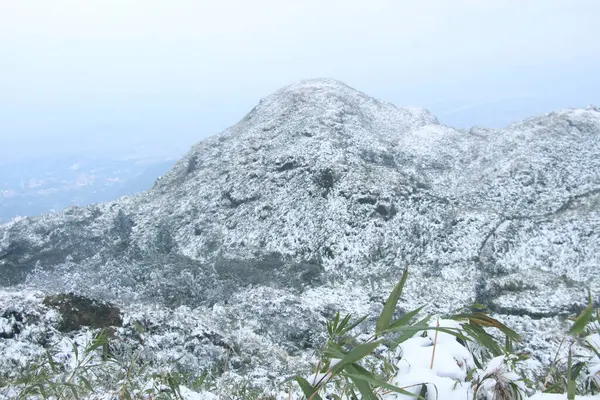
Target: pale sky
point(112, 75)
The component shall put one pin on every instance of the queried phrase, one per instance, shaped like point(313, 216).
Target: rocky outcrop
point(79, 311)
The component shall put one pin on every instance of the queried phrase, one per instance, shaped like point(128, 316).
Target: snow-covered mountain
point(318, 198)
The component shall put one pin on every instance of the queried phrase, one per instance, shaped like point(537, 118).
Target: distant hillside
point(32, 187)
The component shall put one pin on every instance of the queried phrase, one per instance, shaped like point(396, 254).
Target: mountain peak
point(327, 104)
point(317, 84)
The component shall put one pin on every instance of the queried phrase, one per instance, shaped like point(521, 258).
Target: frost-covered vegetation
point(466, 355)
point(311, 204)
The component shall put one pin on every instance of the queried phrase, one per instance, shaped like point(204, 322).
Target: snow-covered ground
point(163, 338)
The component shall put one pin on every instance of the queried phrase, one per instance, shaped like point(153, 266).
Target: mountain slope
point(321, 195)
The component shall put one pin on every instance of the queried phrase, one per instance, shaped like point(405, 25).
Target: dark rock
point(326, 180)
point(192, 164)
point(237, 201)
point(367, 200)
point(387, 212)
point(287, 164)
point(77, 311)
point(15, 320)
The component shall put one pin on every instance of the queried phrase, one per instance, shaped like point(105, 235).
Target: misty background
point(112, 92)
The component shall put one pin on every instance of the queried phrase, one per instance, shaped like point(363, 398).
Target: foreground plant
point(92, 367)
point(436, 357)
point(50, 378)
point(580, 370)
point(467, 355)
point(369, 366)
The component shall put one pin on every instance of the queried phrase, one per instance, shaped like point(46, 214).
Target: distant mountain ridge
point(323, 194)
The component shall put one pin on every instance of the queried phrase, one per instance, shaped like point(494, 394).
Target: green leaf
point(582, 320)
point(571, 384)
point(423, 393)
point(364, 388)
point(516, 390)
point(99, 340)
point(415, 328)
point(406, 318)
point(482, 319)
point(356, 354)
point(86, 383)
point(336, 321)
point(333, 350)
point(307, 389)
point(75, 350)
point(73, 389)
point(385, 319)
point(353, 325)
point(51, 361)
point(508, 345)
point(138, 327)
point(356, 372)
point(424, 323)
point(43, 391)
point(342, 324)
point(483, 338)
point(125, 394)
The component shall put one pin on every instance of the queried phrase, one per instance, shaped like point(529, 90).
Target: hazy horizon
point(115, 76)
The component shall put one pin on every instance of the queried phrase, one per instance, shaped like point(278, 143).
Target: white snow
point(446, 380)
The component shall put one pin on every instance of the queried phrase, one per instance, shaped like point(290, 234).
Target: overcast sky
point(109, 75)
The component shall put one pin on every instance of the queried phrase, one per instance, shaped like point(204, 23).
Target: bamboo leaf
point(333, 350)
point(482, 319)
point(336, 320)
point(571, 384)
point(582, 320)
point(75, 350)
point(385, 319)
point(138, 327)
point(353, 325)
point(344, 322)
point(87, 384)
point(356, 372)
point(307, 389)
point(356, 354)
point(51, 361)
point(407, 335)
point(364, 388)
point(413, 329)
point(73, 389)
point(126, 395)
point(406, 318)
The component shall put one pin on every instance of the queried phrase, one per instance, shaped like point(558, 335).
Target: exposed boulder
point(78, 311)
